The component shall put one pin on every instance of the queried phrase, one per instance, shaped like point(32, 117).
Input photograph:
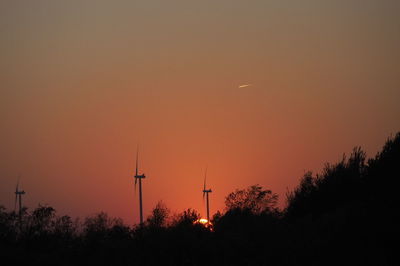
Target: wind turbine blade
point(137, 159)
point(205, 179)
point(16, 194)
point(135, 184)
point(15, 203)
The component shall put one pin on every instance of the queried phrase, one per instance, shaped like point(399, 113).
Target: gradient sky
point(83, 82)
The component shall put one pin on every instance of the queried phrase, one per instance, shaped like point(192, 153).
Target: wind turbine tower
point(205, 194)
point(18, 197)
point(140, 177)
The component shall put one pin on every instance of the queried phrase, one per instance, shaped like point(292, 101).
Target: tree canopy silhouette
point(159, 216)
point(254, 199)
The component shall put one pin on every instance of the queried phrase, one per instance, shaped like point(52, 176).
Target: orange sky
point(81, 84)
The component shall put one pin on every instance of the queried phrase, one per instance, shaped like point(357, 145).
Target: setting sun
point(205, 223)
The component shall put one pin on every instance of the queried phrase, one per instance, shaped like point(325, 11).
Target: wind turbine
point(205, 194)
point(140, 177)
point(18, 197)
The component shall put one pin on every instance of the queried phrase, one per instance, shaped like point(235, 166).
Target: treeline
point(346, 215)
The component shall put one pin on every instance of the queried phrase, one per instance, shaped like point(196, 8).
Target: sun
point(204, 222)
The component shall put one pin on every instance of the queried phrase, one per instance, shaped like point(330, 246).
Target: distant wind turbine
point(18, 197)
point(140, 177)
point(205, 194)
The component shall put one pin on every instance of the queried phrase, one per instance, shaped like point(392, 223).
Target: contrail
point(244, 85)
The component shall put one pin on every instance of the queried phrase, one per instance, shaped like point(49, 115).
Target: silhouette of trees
point(383, 173)
point(337, 185)
point(254, 199)
point(99, 223)
point(101, 227)
point(41, 221)
point(159, 216)
point(7, 224)
point(216, 217)
point(299, 200)
point(351, 207)
point(65, 227)
point(186, 218)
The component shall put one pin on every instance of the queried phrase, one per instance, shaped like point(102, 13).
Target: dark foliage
point(346, 215)
point(253, 199)
point(338, 185)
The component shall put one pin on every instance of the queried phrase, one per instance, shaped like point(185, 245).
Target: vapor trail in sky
point(244, 85)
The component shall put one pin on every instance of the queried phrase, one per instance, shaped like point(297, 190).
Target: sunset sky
point(82, 83)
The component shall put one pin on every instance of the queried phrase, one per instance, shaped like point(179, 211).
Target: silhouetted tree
point(187, 217)
point(101, 227)
point(299, 200)
point(7, 225)
point(65, 227)
point(254, 199)
point(159, 216)
point(216, 217)
point(37, 225)
point(337, 185)
point(383, 173)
